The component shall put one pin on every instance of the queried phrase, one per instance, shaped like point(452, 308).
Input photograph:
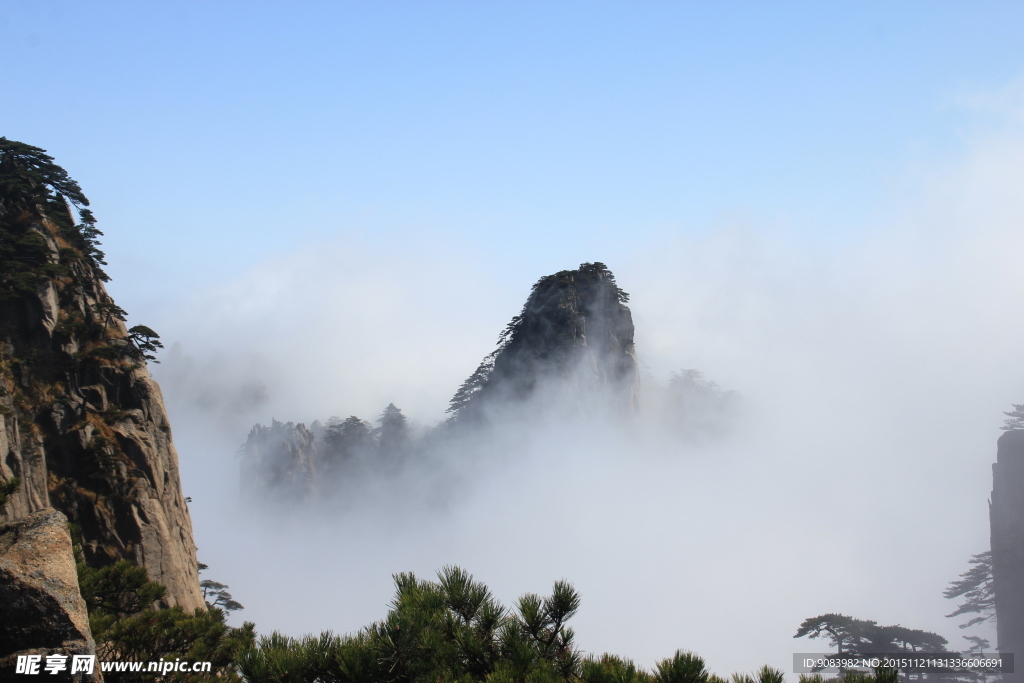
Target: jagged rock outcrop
point(570, 352)
point(1006, 516)
point(43, 610)
point(572, 346)
point(82, 423)
point(279, 462)
point(289, 462)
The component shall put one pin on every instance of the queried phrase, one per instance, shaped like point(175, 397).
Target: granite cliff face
point(82, 423)
point(1006, 514)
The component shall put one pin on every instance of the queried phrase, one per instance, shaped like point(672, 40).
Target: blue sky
point(212, 136)
point(327, 207)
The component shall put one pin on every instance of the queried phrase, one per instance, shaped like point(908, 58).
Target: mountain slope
point(571, 346)
point(82, 423)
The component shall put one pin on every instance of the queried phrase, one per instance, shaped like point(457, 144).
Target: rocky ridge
point(82, 423)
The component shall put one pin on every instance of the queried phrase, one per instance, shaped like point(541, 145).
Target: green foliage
point(978, 646)
point(348, 439)
point(98, 462)
point(108, 311)
point(143, 343)
point(472, 386)
point(39, 202)
point(138, 347)
point(884, 674)
point(684, 667)
point(848, 634)
point(557, 303)
point(394, 430)
point(156, 634)
point(118, 590)
point(25, 261)
point(85, 238)
point(453, 630)
point(977, 589)
point(611, 669)
point(220, 596)
point(29, 177)
point(32, 186)
point(8, 487)
point(844, 633)
point(764, 675)
point(1014, 418)
point(880, 675)
point(127, 624)
point(326, 657)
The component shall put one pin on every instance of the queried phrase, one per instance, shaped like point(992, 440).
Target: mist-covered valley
point(337, 217)
point(853, 476)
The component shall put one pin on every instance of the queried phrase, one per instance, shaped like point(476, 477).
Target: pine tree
point(394, 431)
point(8, 487)
point(1014, 418)
point(220, 596)
point(977, 589)
point(127, 623)
point(346, 440)
point(33, 187)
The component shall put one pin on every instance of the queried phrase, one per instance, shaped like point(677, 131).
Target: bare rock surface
point(43, 610)
point(84, 427)
point(279, 462)
point(571, 349)
point(1006, 513)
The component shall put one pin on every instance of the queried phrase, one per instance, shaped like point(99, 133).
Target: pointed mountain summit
point(571, 348)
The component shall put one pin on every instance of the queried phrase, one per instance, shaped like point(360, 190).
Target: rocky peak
point(82, 423)
point(1006, 515)
point(573, 341)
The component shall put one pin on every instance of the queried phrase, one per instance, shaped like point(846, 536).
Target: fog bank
point(874, 370)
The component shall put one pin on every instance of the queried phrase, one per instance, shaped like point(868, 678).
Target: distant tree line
point(352, 440)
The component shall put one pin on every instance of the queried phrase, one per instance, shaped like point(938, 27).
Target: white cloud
point(875, 372)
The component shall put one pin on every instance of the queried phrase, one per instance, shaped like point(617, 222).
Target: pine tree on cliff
point(976, 588)
point(1014, 418)
point(85, 427)
point(31, 187)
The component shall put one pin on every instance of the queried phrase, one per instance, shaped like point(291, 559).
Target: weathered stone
point(279, 462)
point(90, 435)
point(571, 349)
point(1006, 514)
point(569, 353)
point(42, 607)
